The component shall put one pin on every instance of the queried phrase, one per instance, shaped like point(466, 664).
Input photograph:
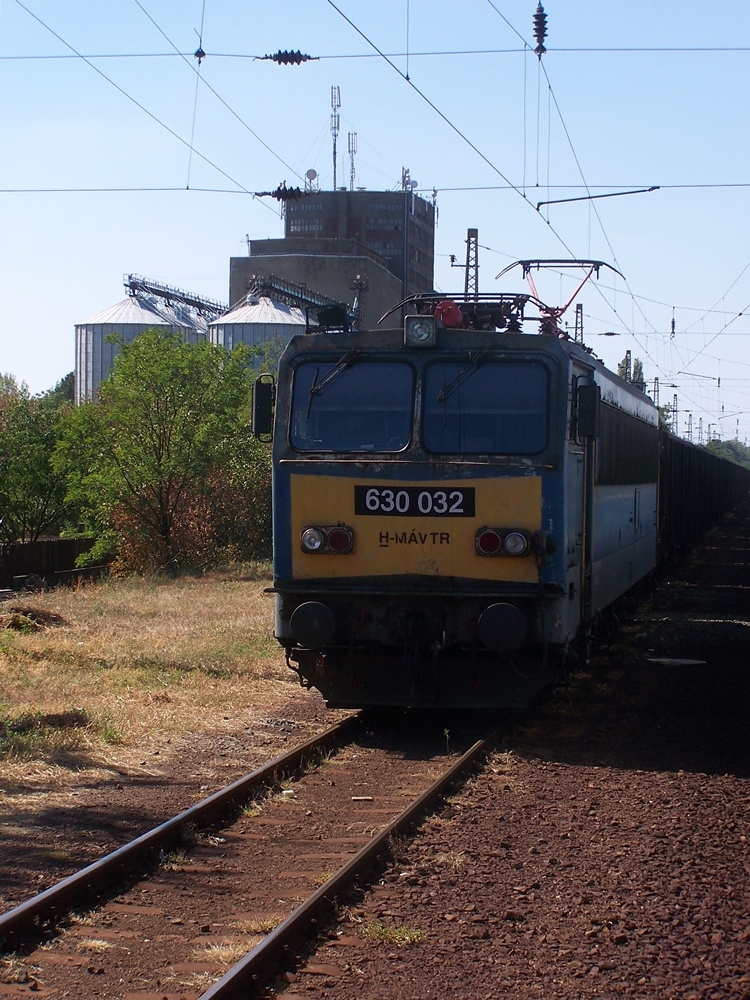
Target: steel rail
point(259, 964)
point(59, 899)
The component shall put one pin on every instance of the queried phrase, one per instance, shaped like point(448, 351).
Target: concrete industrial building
point(340, 269)
point(379, 245)
point(397, 225)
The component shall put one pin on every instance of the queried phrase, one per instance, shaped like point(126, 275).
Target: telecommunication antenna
point(352, 151)
point(335, 123)
point(310, 178)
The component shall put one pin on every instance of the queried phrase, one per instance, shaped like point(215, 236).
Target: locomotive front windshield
point(475, 405)
point(490, 407)
point(352, 406)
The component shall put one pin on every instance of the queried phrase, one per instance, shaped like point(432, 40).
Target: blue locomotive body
point(453, 508)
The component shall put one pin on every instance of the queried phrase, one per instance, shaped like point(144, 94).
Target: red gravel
point(605, 854)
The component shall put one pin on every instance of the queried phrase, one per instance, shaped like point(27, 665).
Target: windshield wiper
point(318, 388)
point(447, 391)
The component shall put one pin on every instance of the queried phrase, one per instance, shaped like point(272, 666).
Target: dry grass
point(108, 665)
point(451, 859)
point(226, 952)
point(95, 945)
point(262, 925)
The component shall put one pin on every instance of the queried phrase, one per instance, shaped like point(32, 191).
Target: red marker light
point(488, 542)
point(340, 540)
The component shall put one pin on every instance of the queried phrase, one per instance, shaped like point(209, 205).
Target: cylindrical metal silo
point(257, 320)
point(95, 356)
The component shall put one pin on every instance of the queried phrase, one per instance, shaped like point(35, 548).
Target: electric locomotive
point(455, 501)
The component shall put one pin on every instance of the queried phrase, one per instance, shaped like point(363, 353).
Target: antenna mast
point(352, 151)
point(335, 122)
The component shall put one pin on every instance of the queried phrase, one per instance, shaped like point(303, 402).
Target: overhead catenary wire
point(197, 79)
point(435, 53)
point(540, 30)
point(657, 327)
point(128, 96)
point(150, 114)
point(202, 80)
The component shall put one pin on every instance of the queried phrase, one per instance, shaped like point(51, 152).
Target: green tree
point(638, 379)
point(32, 491)
point(665, 417)
point(632, 372)
point(732, 450)
point(61, 394)
point(156, 461)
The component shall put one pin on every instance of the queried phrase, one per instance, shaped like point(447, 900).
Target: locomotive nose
point(312, 624)
point(502, 627)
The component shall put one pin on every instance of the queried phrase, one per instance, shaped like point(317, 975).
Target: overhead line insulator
point(289, 58)
point(282, 193)
point(540, 30)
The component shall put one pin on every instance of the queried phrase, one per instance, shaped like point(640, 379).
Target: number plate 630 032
point(414, 501)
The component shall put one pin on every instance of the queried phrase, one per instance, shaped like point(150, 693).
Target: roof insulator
point(285, 58)
point(540, 30)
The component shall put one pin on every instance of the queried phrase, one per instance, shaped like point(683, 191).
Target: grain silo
point(257, 320)
point(148, 305)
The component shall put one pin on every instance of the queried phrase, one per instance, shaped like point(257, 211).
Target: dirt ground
point(602, 853)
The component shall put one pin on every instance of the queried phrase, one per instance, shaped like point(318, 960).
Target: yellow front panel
point(398, 544)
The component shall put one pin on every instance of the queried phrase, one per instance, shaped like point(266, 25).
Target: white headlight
point(311, 540)
point(419, 331)
point(515, 544)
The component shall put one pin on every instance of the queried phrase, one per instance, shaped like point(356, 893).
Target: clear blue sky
point(118, 157)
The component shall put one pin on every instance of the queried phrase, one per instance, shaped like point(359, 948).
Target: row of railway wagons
point(455, 506)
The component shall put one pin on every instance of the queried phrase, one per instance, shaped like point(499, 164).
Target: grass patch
point(35, 733)
point(227, 952)
point(451, 859)
point(173, 861)
point(97, 946)
point(399, 937)
point(139, 658)
point(258, 925)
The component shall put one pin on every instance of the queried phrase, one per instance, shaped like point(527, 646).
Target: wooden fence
point(52, 559)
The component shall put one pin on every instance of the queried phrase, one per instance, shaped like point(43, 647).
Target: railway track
point(216, 920)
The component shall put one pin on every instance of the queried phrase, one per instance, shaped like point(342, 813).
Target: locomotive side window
point(352, 406)
point(485, 407)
